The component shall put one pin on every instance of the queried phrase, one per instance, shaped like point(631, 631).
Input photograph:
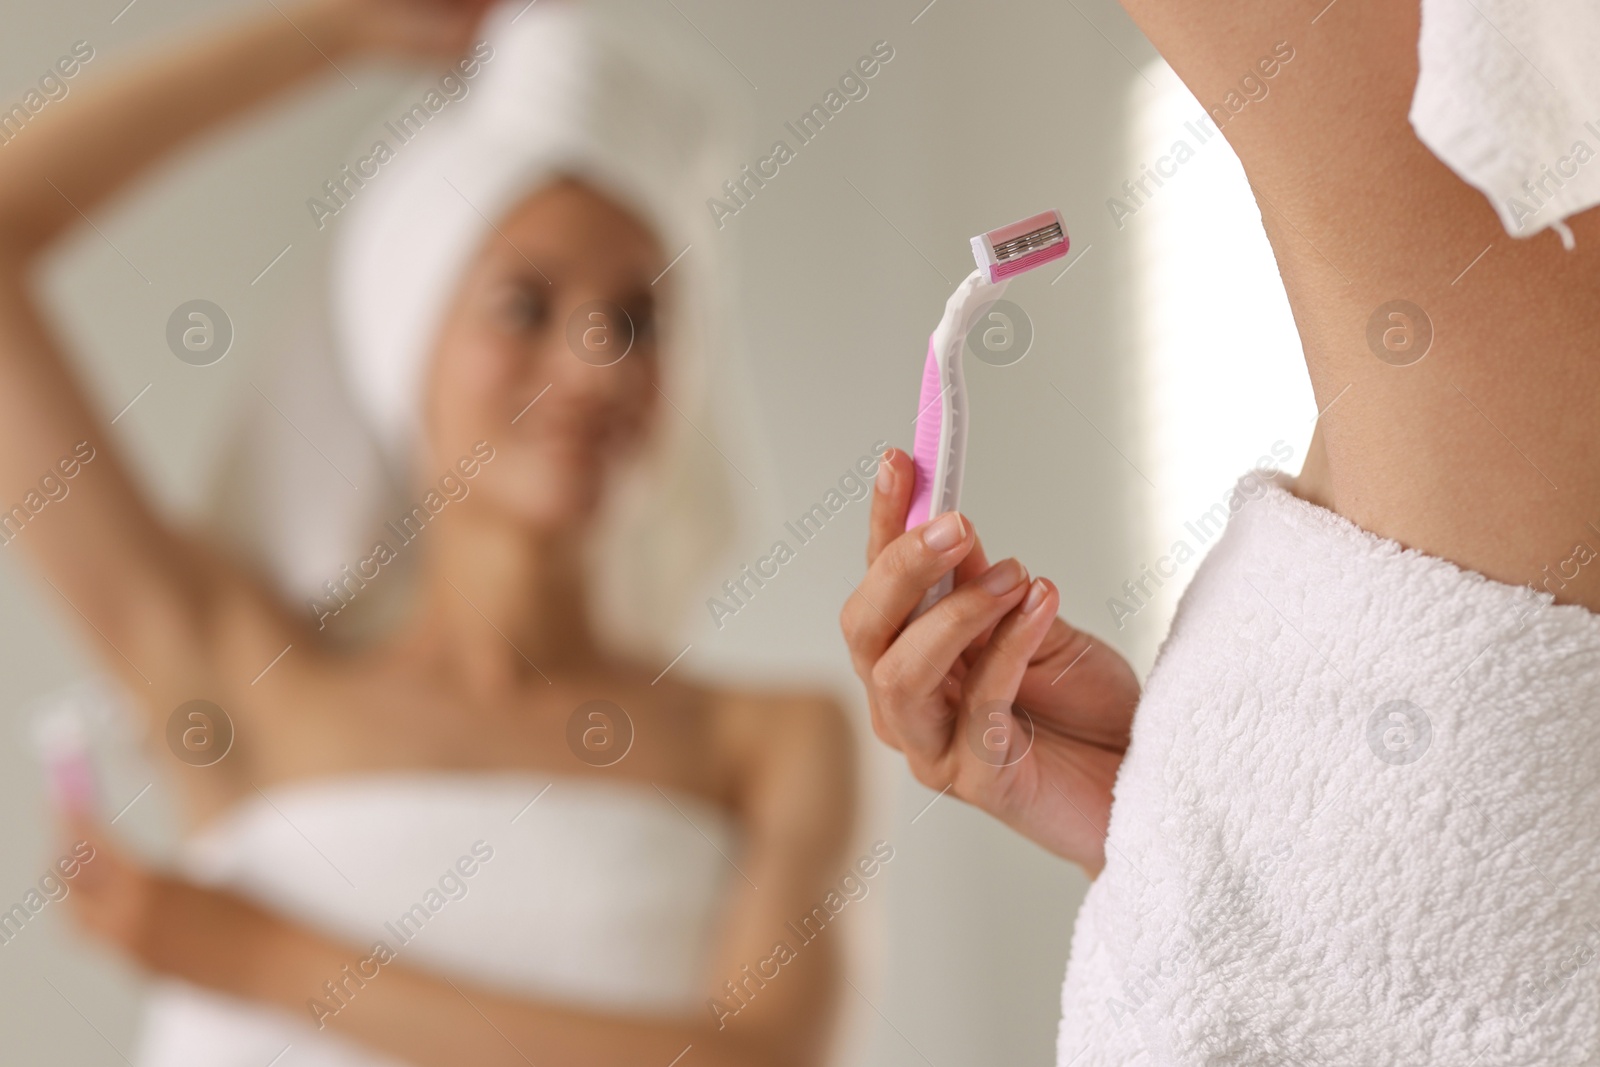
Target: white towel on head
point(607, 92)
point(1508, 96)
point(569, 91)
point(1359, 818)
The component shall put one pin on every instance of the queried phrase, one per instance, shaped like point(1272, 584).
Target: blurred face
point(549, 306)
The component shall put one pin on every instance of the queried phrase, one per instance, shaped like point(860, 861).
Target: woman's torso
point(320, 715)
point(1358, 821)
point(354, 784)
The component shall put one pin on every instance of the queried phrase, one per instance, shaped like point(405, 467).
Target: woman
point(1355, 816)
point(460, 792)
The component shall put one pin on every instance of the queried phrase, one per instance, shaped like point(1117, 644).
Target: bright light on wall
point(1224, 382)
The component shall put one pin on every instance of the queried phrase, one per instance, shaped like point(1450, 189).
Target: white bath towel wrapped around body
point(581, 892)
point(1359, 820)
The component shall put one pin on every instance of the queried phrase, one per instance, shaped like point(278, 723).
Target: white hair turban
point(564, 91)
point(569, 90)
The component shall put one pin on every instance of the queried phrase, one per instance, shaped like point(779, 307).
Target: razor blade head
point(1021, 246)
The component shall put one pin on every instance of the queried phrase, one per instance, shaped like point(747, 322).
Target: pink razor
point(940, 449)
point(64, 751)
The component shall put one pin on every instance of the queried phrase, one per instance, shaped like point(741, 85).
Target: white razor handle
point(939, 454)
point(63, 747)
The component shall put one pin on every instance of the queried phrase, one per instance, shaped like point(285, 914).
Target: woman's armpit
point(1456, 363)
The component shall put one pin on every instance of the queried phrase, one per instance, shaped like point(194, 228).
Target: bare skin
point(1481, 453)
point(499, 648)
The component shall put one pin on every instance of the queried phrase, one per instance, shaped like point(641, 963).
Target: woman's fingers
point(911, 681)
point(87, 831)
point(973, 564)
point(111, 892)
point(906, 668)
point(897, 581)
point(996, 675)
point(891, 497)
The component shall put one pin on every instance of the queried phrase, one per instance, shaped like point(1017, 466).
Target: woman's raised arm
point(148, 594)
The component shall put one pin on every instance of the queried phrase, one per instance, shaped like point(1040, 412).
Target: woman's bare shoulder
point(795, 754)
point(783, 717)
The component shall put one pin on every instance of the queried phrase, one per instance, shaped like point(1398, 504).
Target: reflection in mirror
point(445, 786)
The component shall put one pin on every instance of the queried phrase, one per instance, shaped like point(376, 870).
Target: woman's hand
point(113, 896)
point(164, 924)
point(988, 694)
point(424, 29)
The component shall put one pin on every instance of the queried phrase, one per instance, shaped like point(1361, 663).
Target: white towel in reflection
point(600, 895)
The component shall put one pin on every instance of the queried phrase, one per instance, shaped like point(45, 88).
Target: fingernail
point(885, 473)
point(1035, 596)
point(944, 533)
point(1003, 577)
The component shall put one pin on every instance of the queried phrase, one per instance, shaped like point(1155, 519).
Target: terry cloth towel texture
point(1508, 96)
point(1359, 819)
